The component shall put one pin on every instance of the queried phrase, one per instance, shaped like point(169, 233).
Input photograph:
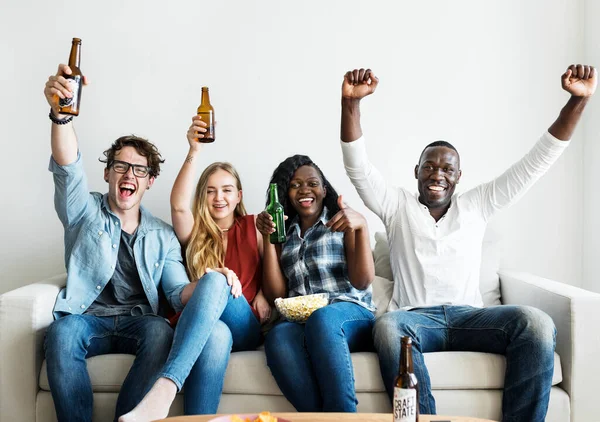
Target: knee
point(387, 331)
point(537, 326)
point(214, 278)
point(65, 334)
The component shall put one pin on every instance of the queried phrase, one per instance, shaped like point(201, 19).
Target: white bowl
point(299, 308)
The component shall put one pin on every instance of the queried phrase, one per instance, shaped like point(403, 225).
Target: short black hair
point(439, 143)
point(283, 175)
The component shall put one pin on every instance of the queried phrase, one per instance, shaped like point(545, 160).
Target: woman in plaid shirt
point(327, 251)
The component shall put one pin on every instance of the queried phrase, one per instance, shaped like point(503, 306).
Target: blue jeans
point(211, 325)
point(311, 362)
point(73, 338)
point(525, 335)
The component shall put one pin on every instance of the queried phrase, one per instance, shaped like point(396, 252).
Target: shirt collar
point(147, 222)
point(295, 225)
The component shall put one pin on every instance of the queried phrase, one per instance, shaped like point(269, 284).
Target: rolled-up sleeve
point(71, 193)
point(174, 278)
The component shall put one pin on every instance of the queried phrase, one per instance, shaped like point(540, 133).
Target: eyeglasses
point(123, 167)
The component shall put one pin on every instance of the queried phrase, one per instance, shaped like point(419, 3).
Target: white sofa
point(463, 383)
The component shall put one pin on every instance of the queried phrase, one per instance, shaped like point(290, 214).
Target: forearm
point(187, 292)
point(63, 142)
point(274, 284)
point(564, 126)
point(350, 123)
point(361, 268)
point(183, 188)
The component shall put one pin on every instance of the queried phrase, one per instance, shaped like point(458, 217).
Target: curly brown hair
point(142, 146)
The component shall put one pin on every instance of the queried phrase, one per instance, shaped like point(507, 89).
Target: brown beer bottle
point(207, 112)
point(406, 394)
point(75, 79)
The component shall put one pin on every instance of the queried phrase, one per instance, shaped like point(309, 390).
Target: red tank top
point(242, 256)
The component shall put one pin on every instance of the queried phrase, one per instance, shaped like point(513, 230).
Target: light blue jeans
point(311, 362)
point(211, 325)
point(74, 338)
point(525, 335)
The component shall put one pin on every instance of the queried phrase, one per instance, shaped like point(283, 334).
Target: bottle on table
point(406, 394)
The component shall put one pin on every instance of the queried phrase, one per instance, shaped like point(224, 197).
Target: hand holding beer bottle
point(63, 90)
point(271, 222)
point(196, 132)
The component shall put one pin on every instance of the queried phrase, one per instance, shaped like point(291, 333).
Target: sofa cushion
point(248, 373)
point(489, 281)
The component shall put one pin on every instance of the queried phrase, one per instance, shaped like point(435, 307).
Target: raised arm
point(183, 188)
point(580, 81)
point(63, 139)
point(274, 284)
point(358, 83)
point(377, 194)
point(361, 268)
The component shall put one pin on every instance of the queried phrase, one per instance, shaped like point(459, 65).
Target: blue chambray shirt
point(317, 264)
point(92, 235)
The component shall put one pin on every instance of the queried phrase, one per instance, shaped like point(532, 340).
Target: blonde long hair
point(205, 248)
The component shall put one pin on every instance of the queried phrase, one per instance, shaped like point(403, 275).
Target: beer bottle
point(75, 80)
point(275, 209)
point(406, 394)
point(207, 112)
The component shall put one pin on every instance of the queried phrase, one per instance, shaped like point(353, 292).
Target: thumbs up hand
point(346, 219)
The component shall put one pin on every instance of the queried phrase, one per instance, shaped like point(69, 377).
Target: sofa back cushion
point(489, 282)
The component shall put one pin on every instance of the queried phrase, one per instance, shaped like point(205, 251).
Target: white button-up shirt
point(437, 263)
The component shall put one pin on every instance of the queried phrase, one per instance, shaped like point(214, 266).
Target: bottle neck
point(273, 196)
point(75, 55)
point(406, 361)
point(205, 98)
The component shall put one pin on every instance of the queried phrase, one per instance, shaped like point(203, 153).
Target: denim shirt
point(92, 236)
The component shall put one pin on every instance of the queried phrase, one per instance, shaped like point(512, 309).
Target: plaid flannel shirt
point(317, 264)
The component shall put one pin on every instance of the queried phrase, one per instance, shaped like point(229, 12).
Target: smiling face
point(306, 192)
point(125, 191)
point(222, 197)
point(437, 174)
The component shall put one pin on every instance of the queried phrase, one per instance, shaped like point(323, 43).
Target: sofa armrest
point(576, 314)
point(25, 313)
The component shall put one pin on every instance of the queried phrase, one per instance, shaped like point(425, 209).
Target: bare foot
point(155, 405)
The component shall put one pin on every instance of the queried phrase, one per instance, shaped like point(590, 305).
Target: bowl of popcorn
point(299, 308)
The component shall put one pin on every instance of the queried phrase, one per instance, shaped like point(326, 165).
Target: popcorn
point(299, 308)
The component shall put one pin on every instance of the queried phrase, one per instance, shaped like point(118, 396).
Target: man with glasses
point(119, 259)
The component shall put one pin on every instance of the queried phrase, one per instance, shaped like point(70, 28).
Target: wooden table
point(336, 417)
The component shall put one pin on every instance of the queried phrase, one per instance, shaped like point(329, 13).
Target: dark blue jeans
point(525, 335)
point(72, 339)
point(211, 325)
point(311, 362)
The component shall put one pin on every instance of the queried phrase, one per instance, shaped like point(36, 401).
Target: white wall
point(591, 157)
point(482, 75)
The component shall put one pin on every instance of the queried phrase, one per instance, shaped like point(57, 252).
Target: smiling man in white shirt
point(435, 241)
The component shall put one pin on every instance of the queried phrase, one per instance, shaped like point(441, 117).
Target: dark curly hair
point(142, 146)
point(283, 175)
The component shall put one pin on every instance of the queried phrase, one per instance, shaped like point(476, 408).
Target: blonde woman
point(223, 253)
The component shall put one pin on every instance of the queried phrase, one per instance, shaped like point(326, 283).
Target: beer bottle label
point(74, 88)
point(405, 405)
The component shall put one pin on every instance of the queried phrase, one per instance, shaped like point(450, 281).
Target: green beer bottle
point(275, 209)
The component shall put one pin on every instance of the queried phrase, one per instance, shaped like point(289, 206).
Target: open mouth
point(126, 190)
point(436, 188)
point(306, 202)
point(220, 206)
